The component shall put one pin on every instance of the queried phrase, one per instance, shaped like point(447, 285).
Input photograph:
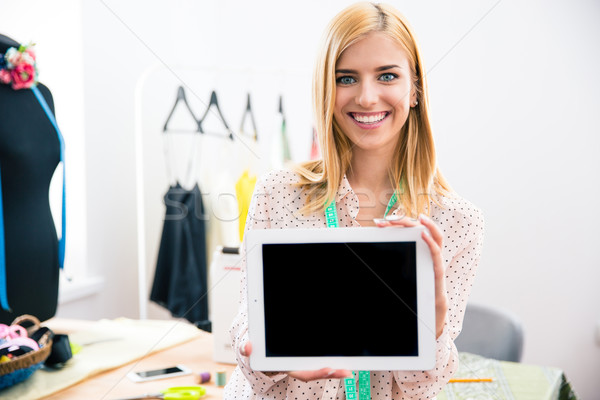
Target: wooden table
point(113, 384)
point(510, 380)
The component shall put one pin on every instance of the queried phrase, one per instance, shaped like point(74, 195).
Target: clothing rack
point(147, 78)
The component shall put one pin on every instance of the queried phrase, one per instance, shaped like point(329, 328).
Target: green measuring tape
point(331, 211)
point(364, 386)
point(364, 377)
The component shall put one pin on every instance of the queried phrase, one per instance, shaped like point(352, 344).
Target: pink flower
point(5, 76)
point(27, 59)
point(19, 68)
point(31, 53)
point(23, 76)
point(13, 56)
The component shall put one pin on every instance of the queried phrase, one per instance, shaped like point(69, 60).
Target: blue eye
point(388, 77)
point(345, 80)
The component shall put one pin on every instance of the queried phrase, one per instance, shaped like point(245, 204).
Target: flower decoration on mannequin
point(18, 67)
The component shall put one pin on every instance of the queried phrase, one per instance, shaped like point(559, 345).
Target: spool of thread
point(203, 377)
point(221, 378)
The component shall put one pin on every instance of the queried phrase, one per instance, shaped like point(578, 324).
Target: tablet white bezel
point(425, 299)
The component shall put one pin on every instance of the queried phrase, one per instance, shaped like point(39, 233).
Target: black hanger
point(281, 108)
point(181, 96)
point(215, 102)
point(249, 111)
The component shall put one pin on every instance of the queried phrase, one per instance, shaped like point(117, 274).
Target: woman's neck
point(370, 171)
point(370, 181)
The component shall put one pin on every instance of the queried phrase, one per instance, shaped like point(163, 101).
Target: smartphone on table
point(143, 376)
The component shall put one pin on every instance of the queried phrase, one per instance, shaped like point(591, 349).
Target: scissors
point(174, 393)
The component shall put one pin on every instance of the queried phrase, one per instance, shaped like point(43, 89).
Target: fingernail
point(379, 220)
point(423, 217)
point(331, 372)
point(392, 218)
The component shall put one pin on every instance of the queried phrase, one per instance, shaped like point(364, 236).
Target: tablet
point(351, 298)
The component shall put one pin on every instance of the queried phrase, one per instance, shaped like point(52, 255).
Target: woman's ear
point(413, 97)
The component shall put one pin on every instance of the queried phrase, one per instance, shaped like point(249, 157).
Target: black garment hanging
point(180, 281)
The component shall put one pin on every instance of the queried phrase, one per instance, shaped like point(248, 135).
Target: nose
point(367, 95)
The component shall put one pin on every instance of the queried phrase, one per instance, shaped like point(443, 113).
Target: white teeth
point(369, 119)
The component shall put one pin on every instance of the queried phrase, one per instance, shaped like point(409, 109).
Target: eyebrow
point(352, 71)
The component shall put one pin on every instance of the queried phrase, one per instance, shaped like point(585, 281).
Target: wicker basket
point(22, 367)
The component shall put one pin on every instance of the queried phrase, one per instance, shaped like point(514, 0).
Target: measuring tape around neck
point(331, 211)
point(364, 377)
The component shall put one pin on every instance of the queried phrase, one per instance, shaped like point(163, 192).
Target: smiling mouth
point(370, 118)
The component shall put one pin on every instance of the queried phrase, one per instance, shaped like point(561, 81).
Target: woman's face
point(373, 92)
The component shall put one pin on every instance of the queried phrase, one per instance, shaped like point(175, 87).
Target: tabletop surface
point(510, 380)
point(195, 354)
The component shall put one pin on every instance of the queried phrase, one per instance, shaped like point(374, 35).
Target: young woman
point(378, 168)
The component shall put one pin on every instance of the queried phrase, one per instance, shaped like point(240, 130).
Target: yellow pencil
point(467, 380)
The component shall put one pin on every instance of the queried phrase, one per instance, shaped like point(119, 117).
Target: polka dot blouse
point(275, 204)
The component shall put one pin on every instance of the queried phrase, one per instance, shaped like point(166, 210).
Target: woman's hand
point(305, 376)
point(434, 239)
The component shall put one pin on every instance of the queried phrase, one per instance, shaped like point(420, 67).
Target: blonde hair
point(414, 171)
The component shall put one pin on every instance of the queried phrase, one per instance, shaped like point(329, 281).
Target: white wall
point(59, 52)
point(514, 101)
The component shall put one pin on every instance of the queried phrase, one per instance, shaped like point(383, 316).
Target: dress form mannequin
point(29, 154)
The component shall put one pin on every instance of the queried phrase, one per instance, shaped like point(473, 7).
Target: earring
point(416, 102)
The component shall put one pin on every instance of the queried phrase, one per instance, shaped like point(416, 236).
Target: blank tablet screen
point(340, 299)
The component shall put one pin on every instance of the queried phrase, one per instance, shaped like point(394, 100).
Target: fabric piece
point(244, 188)
point(287, 155)
point(221, 206)
point(280, 148)
point(224, 213)
point(274, 206)
point(180, 281)
point(125, 340)
point(511, 381)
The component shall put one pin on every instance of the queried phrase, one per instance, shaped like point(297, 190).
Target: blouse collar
point(343, 189)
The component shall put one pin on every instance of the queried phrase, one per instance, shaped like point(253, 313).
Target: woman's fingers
point(246, 349)
point(436, 255)
point(434, 239)
point(434, 247)
point(408, 222)
point(432, 235)
point(324, 373)
point(396, 220)
point(434, 230)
